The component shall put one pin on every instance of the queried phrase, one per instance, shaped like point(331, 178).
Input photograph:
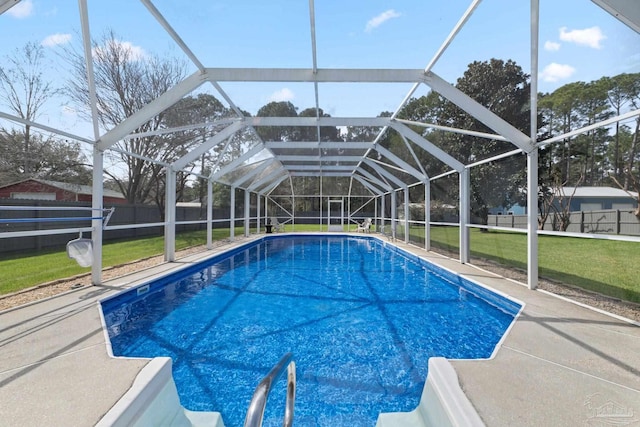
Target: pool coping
point(587, 366)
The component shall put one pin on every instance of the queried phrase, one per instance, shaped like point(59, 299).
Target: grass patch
point(604, 266)
point(20, 271)
point(24, 270)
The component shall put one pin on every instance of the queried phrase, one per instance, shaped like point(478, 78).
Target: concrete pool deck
point(561, 364)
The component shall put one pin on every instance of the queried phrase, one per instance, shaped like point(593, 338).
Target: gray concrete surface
point(560, 365)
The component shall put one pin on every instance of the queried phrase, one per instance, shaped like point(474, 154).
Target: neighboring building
point(41, 189)
point(513, 210)
point(599, 198)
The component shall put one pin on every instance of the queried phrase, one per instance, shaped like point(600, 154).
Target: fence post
point(618, 217)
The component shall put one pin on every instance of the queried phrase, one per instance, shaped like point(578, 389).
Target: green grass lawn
point(24, 270)
point(604, 266)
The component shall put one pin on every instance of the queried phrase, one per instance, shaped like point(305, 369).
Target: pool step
point(153, 400)
point(442, 404)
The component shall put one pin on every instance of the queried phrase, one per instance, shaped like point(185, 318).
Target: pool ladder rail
point(255, 413)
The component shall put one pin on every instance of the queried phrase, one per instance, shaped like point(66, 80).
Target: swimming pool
point(361, 317)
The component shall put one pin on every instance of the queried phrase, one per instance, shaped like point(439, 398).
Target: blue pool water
point(362, 319)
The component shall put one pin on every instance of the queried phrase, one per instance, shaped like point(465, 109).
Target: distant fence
point(622, 222)
point(123, 215)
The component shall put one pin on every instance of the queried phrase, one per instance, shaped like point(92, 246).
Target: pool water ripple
point(361, 320)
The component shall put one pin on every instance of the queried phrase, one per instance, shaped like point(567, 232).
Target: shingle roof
point(73, 188)
point(609, 192)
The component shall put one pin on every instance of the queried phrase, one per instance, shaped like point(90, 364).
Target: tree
point(50, 158)
point(278, 133)
point(620, 90)
point(204, 109)
point(502, 87)
point(24, 90)
point(126, 82)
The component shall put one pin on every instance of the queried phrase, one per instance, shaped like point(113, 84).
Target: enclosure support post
point(247, 212)
point(464, 215)
point(427, 215)
point(532, 219)
point(375, 211)
point(258, 197)
point(393, 213)
point(532, 157)
point(96, 224)
point(232, 214)
point(406, 215)
point(321, 199)
point(382, 208)
point(349, 210)
point(209, 214)
point(170, 216)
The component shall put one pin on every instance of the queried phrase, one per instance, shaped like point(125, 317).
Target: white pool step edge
point(153, 400)
point(443, 403)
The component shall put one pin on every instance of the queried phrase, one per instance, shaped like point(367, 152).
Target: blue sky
point(578, 42)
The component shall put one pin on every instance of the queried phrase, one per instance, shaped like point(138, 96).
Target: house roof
point(72, 188)
point(603, 192)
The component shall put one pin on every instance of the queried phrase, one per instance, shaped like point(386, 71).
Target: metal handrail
point(255, 413)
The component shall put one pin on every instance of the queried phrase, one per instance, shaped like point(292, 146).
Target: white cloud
point(56, 39)
point(135, 52)
point(281, 95)
point(381, 19)
point(590, 37)
point(21, 10)
point(551, 46)
point(556, 72)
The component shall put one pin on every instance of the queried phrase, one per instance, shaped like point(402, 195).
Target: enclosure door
point(335, 215)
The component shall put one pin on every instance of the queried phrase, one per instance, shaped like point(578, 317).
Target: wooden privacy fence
point(621, 222)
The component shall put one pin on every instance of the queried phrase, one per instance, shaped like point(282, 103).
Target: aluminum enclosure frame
point(378, 160)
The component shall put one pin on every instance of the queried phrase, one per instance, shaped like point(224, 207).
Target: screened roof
point(265, 160)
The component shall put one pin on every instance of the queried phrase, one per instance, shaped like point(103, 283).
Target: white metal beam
point(167, 27)
point(150, 110)
point(454, 130)
point(274, 175)
point(437, 152)
point(322, 75)
point(404, 165)
point(322, 121)
point(413, 154)
point(478, 111)
point(45, 127)
point(164, 131)
point(318, 168)
point(322, 173)
point(313, 145)
point(317, 158)
point(386, 174)
point(273, 185)
point(373, 179)
point(368, 175)
point(238, 161)
point(532, 157)
point(170, 216)
point(585, 129)
point(368, 185)
point(207, 145)
point(254, 172)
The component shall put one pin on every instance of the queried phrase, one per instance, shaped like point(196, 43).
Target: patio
point(561, 364)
